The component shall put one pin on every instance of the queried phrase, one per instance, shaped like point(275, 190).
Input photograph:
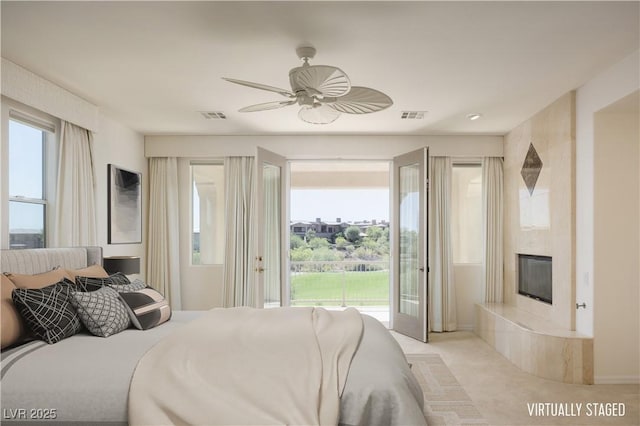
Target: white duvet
point(245, 366)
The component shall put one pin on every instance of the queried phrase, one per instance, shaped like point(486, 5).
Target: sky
point(347, 204)
point(27, 180)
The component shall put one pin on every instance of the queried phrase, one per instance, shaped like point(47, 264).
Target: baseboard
point(465, 327)
point(616, 380)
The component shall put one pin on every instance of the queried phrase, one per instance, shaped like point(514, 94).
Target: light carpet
point(445, 401)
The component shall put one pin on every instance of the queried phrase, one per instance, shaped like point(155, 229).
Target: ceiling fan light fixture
point(323, 92)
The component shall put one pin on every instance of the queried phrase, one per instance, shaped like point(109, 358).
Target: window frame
point(49, 125)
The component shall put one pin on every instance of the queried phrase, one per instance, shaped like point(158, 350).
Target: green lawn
point(325, 288)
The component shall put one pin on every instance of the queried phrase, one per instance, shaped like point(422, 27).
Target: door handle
point(421, 269)
point(260, 270)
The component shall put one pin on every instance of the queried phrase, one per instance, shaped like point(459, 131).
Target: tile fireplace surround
point(535, 344)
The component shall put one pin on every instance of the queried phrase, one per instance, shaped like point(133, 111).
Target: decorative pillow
point(13, 328)
point(101, 311)
point(96, 283)
point(147, 308)
point(38, 280)
point(137, 284)
point(95, 271)
point(47, 311)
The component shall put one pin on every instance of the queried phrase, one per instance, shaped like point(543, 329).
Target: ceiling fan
point(322, 91)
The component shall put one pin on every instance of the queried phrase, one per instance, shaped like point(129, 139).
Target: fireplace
point(534, 277)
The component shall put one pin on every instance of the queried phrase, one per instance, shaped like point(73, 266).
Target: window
point(466, 204)
point(27, 185)
point(207, 203)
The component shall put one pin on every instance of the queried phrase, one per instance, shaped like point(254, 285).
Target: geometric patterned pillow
point(101, 311)
point(47, 311)
point(96, 283)
point(147, 308)
point(137, 284)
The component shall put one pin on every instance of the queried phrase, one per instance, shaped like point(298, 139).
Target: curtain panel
point(239, 262)
point(163, 256)
point(492, 208)
point(75, 212)
point(442, 294)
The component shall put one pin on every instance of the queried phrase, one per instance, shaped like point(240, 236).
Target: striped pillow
point(147, 308)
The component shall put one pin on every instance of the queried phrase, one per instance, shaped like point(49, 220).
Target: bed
point(87, 379)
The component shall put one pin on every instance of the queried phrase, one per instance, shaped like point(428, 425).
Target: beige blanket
point(245, 366)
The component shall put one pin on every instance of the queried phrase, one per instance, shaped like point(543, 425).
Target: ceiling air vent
point(412, 115)
point(213, 115)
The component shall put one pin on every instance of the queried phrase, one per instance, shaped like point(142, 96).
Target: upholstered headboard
point(35, 261)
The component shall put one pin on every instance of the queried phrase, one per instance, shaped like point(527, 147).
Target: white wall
point(322, 147)
point(616, 276)
point(119, 145)
point(468, 284)
point(619, 81)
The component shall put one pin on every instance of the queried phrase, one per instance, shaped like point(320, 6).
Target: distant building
point(329, 229)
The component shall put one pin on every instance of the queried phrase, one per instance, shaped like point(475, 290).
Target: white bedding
point(246, 366)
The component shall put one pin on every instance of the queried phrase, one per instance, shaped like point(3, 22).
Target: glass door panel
point(271, 190)
point(409, 244)
point(270, 259)
point(409, 230)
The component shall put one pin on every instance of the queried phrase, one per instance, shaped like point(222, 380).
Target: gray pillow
point(101, 311)
point(136, 285)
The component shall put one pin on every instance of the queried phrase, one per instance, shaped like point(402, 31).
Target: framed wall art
point(124, 206)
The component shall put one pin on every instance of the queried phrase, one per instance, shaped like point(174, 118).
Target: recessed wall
point(543, 222)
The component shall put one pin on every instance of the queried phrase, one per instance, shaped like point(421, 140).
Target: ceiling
point(155, 65)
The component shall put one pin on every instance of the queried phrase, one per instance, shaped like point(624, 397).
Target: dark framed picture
point(124, 206)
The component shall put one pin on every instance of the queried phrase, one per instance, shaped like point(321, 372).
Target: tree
point(318, 242)
point(352, 234)
point(341, 243)
point(311, 233)
point(301, 254)
point(296, 242)
point(374, 232)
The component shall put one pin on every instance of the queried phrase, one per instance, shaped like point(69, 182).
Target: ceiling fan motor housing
point(305, 52)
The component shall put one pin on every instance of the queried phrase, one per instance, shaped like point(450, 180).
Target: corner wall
point(543, 223)
point(616, 273)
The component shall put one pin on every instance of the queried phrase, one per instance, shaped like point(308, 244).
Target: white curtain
point(75, 218)
point(442, 287)
point(163, 257)
point(239, 282)
point(492, 201)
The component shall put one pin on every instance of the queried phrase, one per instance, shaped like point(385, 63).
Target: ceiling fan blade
point(320, 79)
point(360, 100)
point(283, 92)
point(318, 115)
point(267, 105)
